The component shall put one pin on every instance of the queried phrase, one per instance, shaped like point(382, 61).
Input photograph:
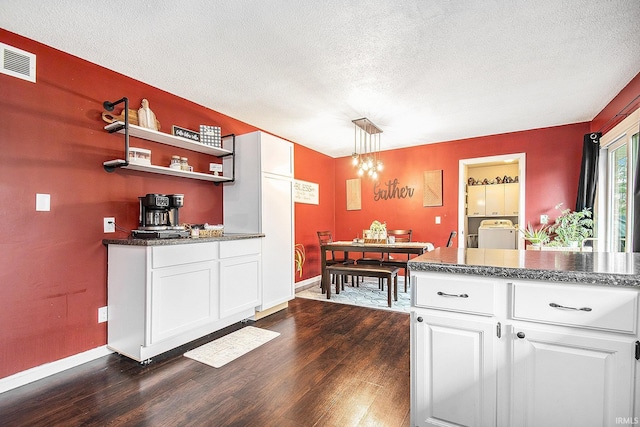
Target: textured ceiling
point(422, 71)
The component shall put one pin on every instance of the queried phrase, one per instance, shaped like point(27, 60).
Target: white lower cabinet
point(533, 354)
point(240, 265)
point(182, 297)
point(563, 378)
point(454, 371)
point(161, 297)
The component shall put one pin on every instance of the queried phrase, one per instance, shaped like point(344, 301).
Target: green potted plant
point(572, 227)
point(536, 236)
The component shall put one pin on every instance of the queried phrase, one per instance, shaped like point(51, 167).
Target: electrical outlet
point(437, 220)
point(110, 225)
point(103, 314)
point(544, 219)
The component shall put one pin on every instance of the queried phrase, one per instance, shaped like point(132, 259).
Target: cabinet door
point(566, 379)
point(239, 284)
point(277, 245)
point(181, 298)
point(277, 155)
point(476, 200)
point(453, 371)
point(494, 195)
point(511, 199)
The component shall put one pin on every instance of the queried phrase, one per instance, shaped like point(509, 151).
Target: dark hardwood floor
point(332, 365)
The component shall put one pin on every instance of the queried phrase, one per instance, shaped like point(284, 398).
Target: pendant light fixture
point(366, 148)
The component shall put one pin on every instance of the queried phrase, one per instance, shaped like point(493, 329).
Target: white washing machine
point(497, 234)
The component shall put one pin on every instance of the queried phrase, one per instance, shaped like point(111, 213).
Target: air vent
point(17, 63)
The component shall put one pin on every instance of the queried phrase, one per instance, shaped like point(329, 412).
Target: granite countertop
point(599, 268)
point(183, 241)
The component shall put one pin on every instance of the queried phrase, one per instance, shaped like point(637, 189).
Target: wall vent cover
point(17, 63)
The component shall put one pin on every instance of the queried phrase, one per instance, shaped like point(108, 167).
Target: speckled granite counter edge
point(607, 279)
point(184, 241)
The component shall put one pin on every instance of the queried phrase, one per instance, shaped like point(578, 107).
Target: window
point(615, 193)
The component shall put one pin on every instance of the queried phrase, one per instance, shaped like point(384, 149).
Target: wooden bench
point(379, 271)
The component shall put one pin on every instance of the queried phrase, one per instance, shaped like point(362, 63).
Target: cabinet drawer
point(466, 294)
point(580, 306)
point(233, 248)
point(165, 256)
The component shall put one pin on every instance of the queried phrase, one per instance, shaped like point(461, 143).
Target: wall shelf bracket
point(111, 165)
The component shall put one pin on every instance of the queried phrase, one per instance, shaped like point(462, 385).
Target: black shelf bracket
point(109, 106)
point(233, 158)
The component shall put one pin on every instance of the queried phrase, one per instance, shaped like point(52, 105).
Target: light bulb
point(354, 159)
point(379, 166)
point(360, 172)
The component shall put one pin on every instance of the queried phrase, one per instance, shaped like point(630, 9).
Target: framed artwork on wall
point(354, 197)
point(432, 191)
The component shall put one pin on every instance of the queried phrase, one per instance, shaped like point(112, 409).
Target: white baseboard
point(34, 374)
point(307, 283)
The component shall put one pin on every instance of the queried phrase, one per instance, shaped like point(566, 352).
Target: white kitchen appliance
point(497, 234)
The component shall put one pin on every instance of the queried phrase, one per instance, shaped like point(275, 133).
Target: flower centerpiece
point(377, 232)
point(571, 227)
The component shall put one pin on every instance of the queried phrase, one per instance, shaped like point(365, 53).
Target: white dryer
point(497, 234)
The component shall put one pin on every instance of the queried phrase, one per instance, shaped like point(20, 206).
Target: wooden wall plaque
point(432, 192)
point(354, 197)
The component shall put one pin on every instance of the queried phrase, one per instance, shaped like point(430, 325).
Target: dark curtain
point(588, 171)
point(636, 204)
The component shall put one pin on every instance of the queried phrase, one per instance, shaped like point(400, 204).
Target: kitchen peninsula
point(163, 293)
point(527, 338)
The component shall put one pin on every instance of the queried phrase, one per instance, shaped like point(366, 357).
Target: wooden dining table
point(416, 248)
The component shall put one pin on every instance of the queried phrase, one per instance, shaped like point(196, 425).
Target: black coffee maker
point(159, 216)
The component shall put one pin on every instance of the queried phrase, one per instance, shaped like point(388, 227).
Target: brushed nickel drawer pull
point(562, 307)
point(442, 294)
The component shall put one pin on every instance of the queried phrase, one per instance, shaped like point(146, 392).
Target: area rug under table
point(368, 294)
point(229, 347)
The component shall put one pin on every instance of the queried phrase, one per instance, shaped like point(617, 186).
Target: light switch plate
point(43, 202)
point(437, 220)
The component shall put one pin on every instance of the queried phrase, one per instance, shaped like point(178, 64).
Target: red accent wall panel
point(553, 164)
point(317, 168)
point(53, 264)
point(605, 120)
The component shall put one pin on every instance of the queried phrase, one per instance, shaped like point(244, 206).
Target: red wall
point(53, 264)
point(626, 99)
point(317, 168)
point(552, 163)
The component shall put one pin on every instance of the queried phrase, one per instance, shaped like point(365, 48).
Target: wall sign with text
point(306, 192)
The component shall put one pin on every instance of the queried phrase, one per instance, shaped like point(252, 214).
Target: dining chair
point(325, 237)
point(451, 237)
point(398, 260)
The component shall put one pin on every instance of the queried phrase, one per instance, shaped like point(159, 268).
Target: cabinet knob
point(520, 335)
point(419, 319)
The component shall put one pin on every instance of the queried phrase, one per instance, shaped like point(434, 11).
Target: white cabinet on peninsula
point(163, 296)
point(498, 352)
point(453, 360)
point(572, 354)
point(261, 201)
